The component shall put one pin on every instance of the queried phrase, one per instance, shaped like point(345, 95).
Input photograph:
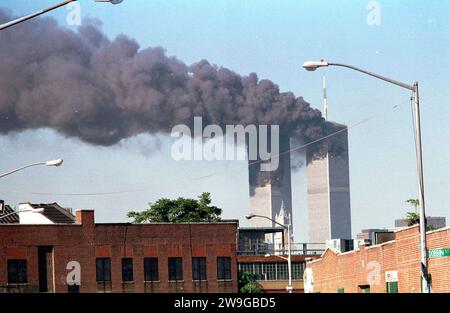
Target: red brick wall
point(83, 243)
point(368, 265)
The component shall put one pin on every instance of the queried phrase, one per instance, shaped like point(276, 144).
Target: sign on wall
point(391, 276)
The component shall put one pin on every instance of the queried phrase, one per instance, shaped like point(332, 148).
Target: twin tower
point(328, 193)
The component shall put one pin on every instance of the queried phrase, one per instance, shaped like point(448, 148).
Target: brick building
point(120, 257)
point(393, 266)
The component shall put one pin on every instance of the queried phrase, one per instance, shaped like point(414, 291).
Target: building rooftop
point(55, 213)
point(266, 230)
point(10, 219)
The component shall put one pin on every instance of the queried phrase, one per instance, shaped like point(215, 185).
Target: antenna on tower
point(325, 99)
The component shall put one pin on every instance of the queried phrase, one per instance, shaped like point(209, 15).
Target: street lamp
point(288, 228)
point(312, 66)
point(53, 7)
point(56, 162)
point(32, 210)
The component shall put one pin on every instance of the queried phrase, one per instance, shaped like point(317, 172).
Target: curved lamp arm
point(314, 65)
point(389, 80)
point(251, 215)
point(57, 162)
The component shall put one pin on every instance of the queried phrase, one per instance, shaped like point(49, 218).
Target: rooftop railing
point(262, 249)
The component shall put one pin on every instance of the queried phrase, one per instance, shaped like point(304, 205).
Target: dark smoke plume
point(84, 85)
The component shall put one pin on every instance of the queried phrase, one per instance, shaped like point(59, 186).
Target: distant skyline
point(272, 39)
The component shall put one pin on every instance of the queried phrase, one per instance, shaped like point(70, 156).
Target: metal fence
point(261, 249)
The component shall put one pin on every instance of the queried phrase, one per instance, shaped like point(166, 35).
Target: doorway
point(45, 263)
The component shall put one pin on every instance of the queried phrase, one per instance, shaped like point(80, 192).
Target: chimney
point(85, 217)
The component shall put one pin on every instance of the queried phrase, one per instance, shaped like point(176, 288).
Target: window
point(175, 269)
point(151, 272)
point(273, 271)
point(198, 268)
point(127, 269)
point(223, 268)
point(392, 287)
point(282, 271)
point(269, 271)
point(297, 270)
point(103, 269)
point(17, 271)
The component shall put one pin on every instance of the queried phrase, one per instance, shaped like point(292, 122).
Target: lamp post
point(53, 7)
point(38, 210)
point(56, 162)
point(312, 66)
point(288, 228)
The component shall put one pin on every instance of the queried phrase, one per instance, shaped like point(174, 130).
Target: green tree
point(247, 283)
point(413, 202)
point(413, 218)
point(180, 210)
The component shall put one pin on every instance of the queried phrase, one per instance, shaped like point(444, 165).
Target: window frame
point(104, 270)
point(199, 267)
point(127, 270)
point(178, 266)
point(151, 269)
point(224, 268)
point(19, 268)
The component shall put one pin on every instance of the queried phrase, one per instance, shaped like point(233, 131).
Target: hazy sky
point(273, 39)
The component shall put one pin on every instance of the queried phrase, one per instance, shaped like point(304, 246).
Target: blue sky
point(273, 39)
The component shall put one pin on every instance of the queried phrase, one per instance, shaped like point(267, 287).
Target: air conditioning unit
point(360, 242)
point(340, 245)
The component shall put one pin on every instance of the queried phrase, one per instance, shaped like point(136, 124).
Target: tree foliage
point(247, 283)
point(180, 210)
point(413, 202)
point(413, 218)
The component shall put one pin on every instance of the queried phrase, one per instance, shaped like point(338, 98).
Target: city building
point(84, 256)
point(270, 192)
point(375, 236)
point(252, 240)
point(268, 265)
point(328, 194)
point(393, 266)
point(340, 245)
point(271, 272)
point(435, 222)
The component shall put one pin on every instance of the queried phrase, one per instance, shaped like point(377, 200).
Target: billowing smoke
point(84, 85)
